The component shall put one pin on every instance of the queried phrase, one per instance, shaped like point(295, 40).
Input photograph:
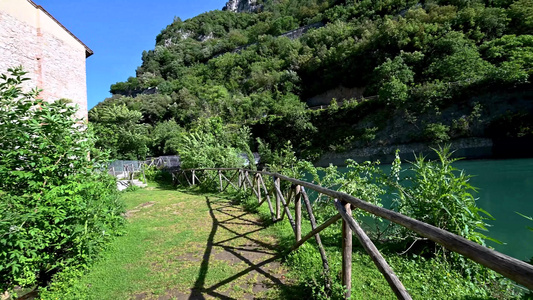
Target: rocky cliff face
point(243, 6)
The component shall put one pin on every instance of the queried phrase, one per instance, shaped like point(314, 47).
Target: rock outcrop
point(243, 6)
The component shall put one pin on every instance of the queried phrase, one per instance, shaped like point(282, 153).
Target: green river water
point(504, 188)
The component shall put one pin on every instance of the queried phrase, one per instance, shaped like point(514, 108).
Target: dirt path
point(238, 239)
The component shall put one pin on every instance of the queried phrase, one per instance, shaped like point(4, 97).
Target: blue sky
point(118, 31)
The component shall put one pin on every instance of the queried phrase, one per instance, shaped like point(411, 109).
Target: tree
point(166, 138)
point(119, 131)
point(456, 58)
point(521, 12)
point(393, 77)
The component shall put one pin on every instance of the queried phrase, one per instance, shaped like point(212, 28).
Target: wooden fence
point(244, 179)
point(128, 172)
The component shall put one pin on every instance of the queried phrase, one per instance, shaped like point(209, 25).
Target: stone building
point(53, 56)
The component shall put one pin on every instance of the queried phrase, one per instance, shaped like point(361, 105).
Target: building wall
point(54, 58)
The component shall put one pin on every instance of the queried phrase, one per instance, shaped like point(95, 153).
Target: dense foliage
point(418, 57)
point(210, 145)
point(57, 207)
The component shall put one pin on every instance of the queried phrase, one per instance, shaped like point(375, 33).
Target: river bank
point(467, 148)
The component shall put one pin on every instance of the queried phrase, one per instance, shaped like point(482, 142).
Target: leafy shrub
point(437, 132)
point(150, 173)
point(521, 12)
point(464, 124)
point(369, 134)
point(394, 92)
point(212, 145)
point(440, 195)
point(431, 94)
point(57, 208)
point(205, 151)
point(433, 192)
point(119, 131)
point(394, 76)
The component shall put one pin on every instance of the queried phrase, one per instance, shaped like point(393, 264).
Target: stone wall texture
point(18, 46)
point(55, 65)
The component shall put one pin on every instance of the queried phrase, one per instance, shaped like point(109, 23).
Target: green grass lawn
point(179, 245)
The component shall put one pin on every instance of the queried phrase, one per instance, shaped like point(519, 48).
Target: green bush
point(57, 208)
point(437, 132)
point(211, 144)
point(441, 195)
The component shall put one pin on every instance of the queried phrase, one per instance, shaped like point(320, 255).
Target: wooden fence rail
point(510, 267)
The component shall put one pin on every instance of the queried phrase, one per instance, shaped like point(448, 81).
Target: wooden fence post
point(220, 179)
point(268, 199)
point(347, 253)
point(197, 178)
point(258, 188)
point(382, 265)
point(229, 181)
point(186, 178)
point(312, 219)
point(298, 212)
point(193, 179)
point(285, 206)
point(251, 184)
point(131, 175)
point(245, 178)
point(278, 200)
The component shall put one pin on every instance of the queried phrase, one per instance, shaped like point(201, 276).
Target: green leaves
point(441, 195)
point(521, 12)
point(49, 188)
point(529, 218)
point(236, 66)
point(213, 145)
point(431, 191)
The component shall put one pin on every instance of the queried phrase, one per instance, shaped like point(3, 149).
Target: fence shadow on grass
point(260, 257)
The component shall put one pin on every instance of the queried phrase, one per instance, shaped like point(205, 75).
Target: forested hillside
point(432, 71)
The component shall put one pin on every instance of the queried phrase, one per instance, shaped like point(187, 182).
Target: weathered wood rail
point(512, 268)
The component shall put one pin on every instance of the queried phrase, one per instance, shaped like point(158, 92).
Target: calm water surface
point(505, 187)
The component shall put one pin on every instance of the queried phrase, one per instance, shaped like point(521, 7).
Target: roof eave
point(88, 51)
